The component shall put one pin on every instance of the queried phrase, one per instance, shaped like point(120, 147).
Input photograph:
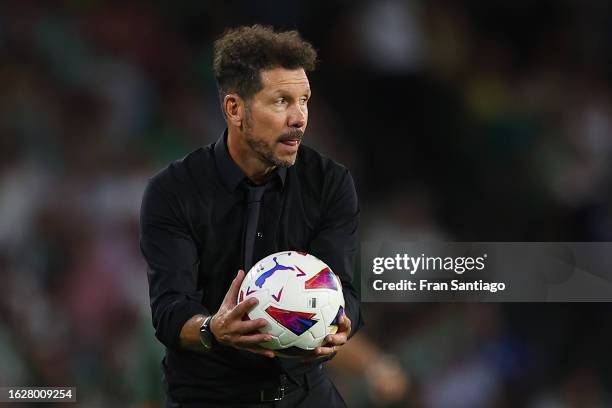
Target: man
point(256, 191)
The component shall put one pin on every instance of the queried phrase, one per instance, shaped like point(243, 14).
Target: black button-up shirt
point(192, 221)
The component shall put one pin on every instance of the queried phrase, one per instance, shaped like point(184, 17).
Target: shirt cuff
point(175, 316)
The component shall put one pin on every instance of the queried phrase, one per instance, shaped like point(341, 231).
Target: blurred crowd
point(460, 120)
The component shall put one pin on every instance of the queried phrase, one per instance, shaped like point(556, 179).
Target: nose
point(297, 116)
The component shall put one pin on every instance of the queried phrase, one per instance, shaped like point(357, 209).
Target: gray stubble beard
point(265, 152)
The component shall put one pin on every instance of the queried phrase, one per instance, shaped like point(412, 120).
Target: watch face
point(205, 338)
point(205, 334)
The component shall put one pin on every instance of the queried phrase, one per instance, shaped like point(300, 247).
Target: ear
point(233, 106)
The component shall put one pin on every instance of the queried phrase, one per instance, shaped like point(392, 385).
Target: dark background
point(460, 120)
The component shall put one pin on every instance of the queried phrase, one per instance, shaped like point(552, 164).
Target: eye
point(280, 101)
point(304, 100)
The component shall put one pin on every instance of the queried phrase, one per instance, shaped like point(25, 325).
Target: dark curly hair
point(241, 53)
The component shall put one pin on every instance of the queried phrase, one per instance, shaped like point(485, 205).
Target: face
point(277, 115)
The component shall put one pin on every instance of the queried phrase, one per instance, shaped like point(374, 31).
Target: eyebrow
point(284, 91)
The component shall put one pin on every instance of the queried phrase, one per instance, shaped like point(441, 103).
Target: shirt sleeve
point(336, 243)
point(172, 261)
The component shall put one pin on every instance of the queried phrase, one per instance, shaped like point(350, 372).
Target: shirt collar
point(230, 173)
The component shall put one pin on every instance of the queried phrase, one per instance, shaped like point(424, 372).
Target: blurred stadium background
point(460, 120)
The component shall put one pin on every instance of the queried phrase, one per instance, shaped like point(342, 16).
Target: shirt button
point(259, 235)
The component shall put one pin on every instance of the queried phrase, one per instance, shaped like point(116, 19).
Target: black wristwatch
point(206, 335)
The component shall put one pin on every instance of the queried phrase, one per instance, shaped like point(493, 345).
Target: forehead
point(282, 79)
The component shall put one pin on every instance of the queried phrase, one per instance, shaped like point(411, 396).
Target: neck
point(244, 157)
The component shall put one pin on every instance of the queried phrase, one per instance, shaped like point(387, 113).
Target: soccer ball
point(299, 296)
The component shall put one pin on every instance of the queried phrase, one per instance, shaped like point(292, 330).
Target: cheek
point(270, 122)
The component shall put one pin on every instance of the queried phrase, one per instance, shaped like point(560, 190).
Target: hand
point(332, 341)
point(229, 328)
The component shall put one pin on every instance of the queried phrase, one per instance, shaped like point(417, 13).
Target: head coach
point(205, 219)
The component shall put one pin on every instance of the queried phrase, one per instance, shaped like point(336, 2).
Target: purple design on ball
point(262, 278)
point(297, 322)
point(337, 318)
point(323, 279)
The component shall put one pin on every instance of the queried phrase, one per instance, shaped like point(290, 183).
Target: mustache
point(293, 134)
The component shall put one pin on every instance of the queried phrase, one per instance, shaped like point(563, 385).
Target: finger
point(248, 340)
point(344, 325)
point(325, 351)
point(249, 326)
point(337, 339)
point(232, 293)
point(243, 308)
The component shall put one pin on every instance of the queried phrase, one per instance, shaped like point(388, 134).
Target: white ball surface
point(299, 296)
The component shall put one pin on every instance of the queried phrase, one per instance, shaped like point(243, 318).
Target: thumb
point(232, 293)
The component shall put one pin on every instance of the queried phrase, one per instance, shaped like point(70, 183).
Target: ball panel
point(287, 338)
point(327, 314)
point(318, 330)
point(306, 342)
